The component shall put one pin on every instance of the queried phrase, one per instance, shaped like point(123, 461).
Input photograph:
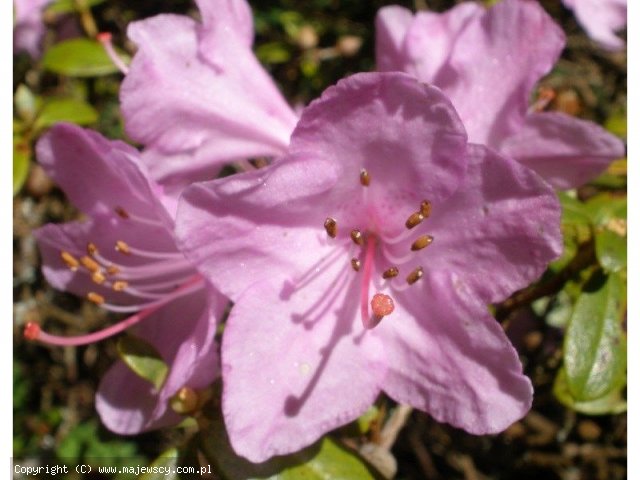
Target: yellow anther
point(95, 298)
point(414, 276)
point(390, 273)
point(70, 260)
point(357, 237)
point(185, 401)
point(365, 178)
point(113, 270)
point(422, 242)
point(92, 249)
point(122, 247)
point(331, 226)
point(90, 264)
point(120, 285)
point(414, 219)
point(355, 264)
point(425, 208)
point(98, 277)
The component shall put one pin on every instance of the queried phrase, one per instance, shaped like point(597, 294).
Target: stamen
point(98, 277)
point(125, 215)
point(331, 226)
point(357, 237)
point(355, 264)
point(121, 212)
point(414, 219)
point(95, 298)
point(113, 270)
point(70, 260)
point(90, 264)
point(415, 275)
point(92, 249)
point(119, 285)
point(390, 273)
point(105, 39)
point(422, 242)
point(122, 247)
point(365, 178)
point(425, 208)
point(185, 401)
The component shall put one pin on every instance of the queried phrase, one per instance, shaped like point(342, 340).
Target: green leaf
point(325, 460)
point(26, 103)
point(65, 110)
point(595, 344)
point(166, 462)
point(70, 6)
point(143, 359)
point(21, 158)
point(609, 214)
point(273, 52)
point(609, 404)
point(611, 249)
point(80, 57)
point(617, 123)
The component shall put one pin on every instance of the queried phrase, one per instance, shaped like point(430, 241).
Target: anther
point(95, 298)
point(331, 226)
point(90, 264)
point(422, 242)
point(425, 208)
point(382, 305)
point(414, 276)
point(122, 247)
point(120, 285)
point(98, 277)
point(357, 237)
point(390, 273)
point(122, 213)
point(355, 264)
point(365, 178)
point(113, 270)
point(31, 331)
point(414, 219)
point(92, 249)
point(70, 260)
point(185, 401)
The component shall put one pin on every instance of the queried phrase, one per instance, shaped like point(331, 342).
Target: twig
point(392, 428)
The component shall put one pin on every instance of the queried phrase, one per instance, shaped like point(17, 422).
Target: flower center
point(370, 243)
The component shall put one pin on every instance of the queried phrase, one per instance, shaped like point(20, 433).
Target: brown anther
point(390, 273)
point(422, 242)
point(122, 247)
point(95, 298)
point(70, 260)
point(90, 264)
point(355, 264)
point(113, 270)
point(414, 219)
point(331, 226)
point(365, 178)
point(356, 236)
point(425, 208)
point(98, 277)
point(120, 285)
point(185, 401)
point(122, 213)
point(92, 249)
point(414, 276)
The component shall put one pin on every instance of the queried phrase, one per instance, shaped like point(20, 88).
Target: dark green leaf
point(143, 359)
point(65, 110)
point(79, 57)
point(595, 344)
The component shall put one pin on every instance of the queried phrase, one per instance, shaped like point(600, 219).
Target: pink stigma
point(382, 305)
point(104, 37)
point(31, 331)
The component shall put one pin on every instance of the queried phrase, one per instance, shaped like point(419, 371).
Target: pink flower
point(487, 62)
point(379, 209)
point(28, 27)
point(124, 258)
point(196, 96)
point(601, 19)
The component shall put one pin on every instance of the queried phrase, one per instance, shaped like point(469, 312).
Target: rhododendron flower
point(124, 258)
point(362, 262)
point(28, 27)
point(487, 62)
point(601, 19)
point(197, 97)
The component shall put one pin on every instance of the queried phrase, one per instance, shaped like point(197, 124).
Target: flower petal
point(392, 23)
point(565, 151)
point(601, 19)
point(499, 231)
point(183, 332)
point(98, 175)
point(294, 368)
point(177, 101)
point(495, 63)
point(447, 356)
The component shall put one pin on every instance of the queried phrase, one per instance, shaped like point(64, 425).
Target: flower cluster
point(360, 253)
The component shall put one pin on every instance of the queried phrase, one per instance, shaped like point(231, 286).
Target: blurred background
point(307, 46)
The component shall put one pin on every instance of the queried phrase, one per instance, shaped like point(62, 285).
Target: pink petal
point(495, 62)
point(499, 231)
point(295, 368)
point(183, 333)
point(565, 151)
point(601, 19)
point(392, 23)
point(178, 102)
point(447, 356)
